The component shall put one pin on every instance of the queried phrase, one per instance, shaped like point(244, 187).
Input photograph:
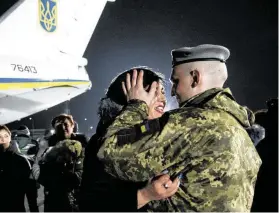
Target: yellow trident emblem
point(48, 14)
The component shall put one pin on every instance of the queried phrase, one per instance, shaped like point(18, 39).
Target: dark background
point(143, 32)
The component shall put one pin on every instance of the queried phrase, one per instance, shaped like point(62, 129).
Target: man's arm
point(136, 152)
point(219, 171)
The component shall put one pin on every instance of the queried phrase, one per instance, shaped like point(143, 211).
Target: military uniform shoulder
point(188, 112)
point(200, 117)
point(181, 111)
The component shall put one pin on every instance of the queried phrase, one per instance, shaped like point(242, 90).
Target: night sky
point(143, 32)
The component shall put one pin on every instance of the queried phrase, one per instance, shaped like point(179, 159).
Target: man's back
point(221, 159)
point(206, 141)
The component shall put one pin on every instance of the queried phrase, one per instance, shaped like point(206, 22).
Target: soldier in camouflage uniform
point(204, 141)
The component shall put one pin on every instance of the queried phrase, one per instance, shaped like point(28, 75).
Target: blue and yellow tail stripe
point(25, 83)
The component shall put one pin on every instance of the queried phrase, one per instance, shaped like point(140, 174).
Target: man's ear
point(196, 77)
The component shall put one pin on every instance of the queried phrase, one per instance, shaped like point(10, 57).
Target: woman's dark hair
point(115, 99)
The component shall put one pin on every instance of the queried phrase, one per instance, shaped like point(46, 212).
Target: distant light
point(91, 127)
point(30, 118)
point(85, 119)
point(52, 131)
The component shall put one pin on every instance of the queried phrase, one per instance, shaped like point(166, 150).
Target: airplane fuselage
point(29, 86)
point(42, 43)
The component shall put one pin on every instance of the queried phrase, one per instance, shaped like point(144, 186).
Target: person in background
point(29, 148)
point(64, 126)
point(50, 171)
point(58, 175)
point(26, 144)
point(15, 172)
point(267, 182)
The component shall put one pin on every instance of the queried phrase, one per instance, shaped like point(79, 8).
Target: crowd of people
point(203, 156)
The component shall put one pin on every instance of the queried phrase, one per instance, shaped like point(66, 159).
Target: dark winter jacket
point(101, 192)
point(60, 173)
point(14, 176)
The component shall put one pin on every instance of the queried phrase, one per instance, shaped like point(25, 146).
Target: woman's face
point(5, 138)
point(156, 109)
point(64, 127)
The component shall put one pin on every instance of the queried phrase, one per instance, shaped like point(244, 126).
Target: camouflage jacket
point(205, 140)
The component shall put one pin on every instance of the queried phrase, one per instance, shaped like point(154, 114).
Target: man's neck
point(199, 97)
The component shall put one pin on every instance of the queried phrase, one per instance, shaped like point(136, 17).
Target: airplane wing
point(41, 47)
